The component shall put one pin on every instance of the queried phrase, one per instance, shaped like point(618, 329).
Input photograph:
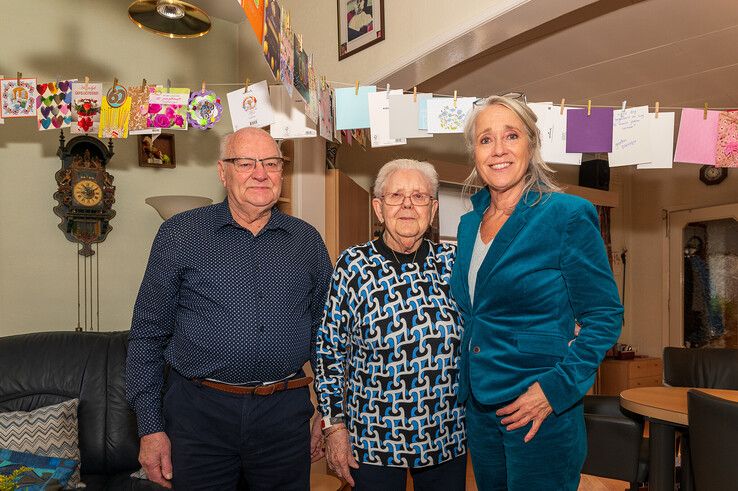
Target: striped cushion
point(50, 431)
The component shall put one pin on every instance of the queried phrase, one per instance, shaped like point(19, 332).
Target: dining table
point(667, 411)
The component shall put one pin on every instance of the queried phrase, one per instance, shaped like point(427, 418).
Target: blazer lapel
point(468, 227)
point(501, 242)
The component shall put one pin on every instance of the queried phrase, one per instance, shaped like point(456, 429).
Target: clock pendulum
point(85, 196)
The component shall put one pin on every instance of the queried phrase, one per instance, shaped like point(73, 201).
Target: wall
point(93, 37)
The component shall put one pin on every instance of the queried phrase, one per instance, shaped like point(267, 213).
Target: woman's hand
point(531, 406)
point(339, 455)
point(316, 440)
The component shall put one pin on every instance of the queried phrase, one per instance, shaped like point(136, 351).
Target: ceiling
point(681, 53)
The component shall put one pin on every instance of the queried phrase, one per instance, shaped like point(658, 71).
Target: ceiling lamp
point(170, 18)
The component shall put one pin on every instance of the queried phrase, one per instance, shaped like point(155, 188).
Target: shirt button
point(476, 349)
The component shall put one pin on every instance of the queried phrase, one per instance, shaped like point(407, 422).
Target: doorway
point(703, 277)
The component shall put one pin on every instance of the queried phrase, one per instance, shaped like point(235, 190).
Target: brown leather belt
point(259, 390)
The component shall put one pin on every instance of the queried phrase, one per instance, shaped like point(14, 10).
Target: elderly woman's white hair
point(425, 168)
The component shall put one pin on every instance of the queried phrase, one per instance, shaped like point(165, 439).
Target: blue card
point(352, 111)
point(423, 111)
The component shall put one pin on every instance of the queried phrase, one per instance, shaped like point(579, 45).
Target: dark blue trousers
point(220, 440)
point(502, 461)
point(446, 476)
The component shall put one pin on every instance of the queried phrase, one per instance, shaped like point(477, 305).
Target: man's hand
point(530, 406)
point(316, 441)
point(339, 455)
point(155, 456)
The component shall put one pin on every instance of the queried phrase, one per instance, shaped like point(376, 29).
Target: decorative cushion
point(30, 472)
point(49, 431)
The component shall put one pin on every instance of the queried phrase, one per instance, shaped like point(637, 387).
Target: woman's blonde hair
point(539, 175)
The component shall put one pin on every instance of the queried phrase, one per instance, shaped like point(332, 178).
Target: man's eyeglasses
point(246, 165)
point(417, 199)
point(509, 95)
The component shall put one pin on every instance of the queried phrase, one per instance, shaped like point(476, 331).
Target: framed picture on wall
point(157, 152)
point(360, 25)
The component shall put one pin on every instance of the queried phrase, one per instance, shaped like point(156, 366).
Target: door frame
point(673, 265)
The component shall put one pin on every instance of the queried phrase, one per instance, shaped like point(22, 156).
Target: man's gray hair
point(425, 168)
point(227, 140)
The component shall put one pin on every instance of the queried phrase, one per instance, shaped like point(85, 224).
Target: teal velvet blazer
point(546, 269)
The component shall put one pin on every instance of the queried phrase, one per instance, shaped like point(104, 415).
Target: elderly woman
point(387, 352)
point(531, 263)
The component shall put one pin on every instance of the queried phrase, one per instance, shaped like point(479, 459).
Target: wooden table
point(666, 410)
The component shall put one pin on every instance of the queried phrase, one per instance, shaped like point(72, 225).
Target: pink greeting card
point(727, 144)
point(697, 139)
point(86, 106)
point(168, 108)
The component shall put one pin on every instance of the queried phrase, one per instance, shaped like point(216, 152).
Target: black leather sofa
point(45, 368)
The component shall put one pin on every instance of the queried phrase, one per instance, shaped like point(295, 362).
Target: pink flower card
point(168, 108)
point(727, 144)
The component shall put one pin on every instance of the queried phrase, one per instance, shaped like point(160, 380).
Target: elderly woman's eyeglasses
point(246, 165)
point(417, 199)
point(509, 95)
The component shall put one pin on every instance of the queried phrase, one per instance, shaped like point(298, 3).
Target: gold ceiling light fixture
point(170, 18)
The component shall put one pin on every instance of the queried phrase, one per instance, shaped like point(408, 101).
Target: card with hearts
point(18, 98)
point(54, 105)
point(86, 106)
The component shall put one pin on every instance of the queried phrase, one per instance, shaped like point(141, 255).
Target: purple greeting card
point(591, 133)
point(697, 140)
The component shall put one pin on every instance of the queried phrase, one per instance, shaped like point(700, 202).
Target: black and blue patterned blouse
point(390, 340)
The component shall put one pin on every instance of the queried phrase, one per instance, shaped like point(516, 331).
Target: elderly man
point(230, 301)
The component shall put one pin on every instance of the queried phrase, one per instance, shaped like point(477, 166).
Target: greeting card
point(2, 121)
point(352, 107)
point(204, 109)
point(447, 115)
point(54, 105)
point(18, 98)
point(697, 139)
point(551, 124)
point(302, 75)
point(286, 59)
point(86, 106)
point(289, 116)
point(115, 113)
point(272, 29)
point(325, 110)
point(404, 115)
point(311, 108)
point(379, 119)
point(138, 121)
point(254, 10)
point(727, 144)
point(631, 137)
point(589, 132)
point(661, 139)
point(168, 108)
point(251, 107)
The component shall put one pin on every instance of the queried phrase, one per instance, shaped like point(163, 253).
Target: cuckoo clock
point(85, 191)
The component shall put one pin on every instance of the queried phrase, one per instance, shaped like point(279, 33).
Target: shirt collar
point(223, 218)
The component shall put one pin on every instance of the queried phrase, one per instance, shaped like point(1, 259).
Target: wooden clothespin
point(455, 93)
point(87, 80)
point(562, 106)
point(169, 85)
point(589, 107)
point(202, 87)
point(18, 78)
point(387, 94)
point(299, 38)
point(357, 88)
point(246, 84)
point(705, 113)
point(115, 82)
point(622, 108)
point(656, 112)
point(415, 94)
point(143, 84)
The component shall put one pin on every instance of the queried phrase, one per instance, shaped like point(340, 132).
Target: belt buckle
point(271, 389)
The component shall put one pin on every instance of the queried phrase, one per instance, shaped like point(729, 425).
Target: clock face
point(87, 192)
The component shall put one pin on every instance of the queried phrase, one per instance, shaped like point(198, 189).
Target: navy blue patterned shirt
point(218, 302)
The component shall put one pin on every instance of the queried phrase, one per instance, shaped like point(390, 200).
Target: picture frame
point(157, 152)
point(360, 25)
